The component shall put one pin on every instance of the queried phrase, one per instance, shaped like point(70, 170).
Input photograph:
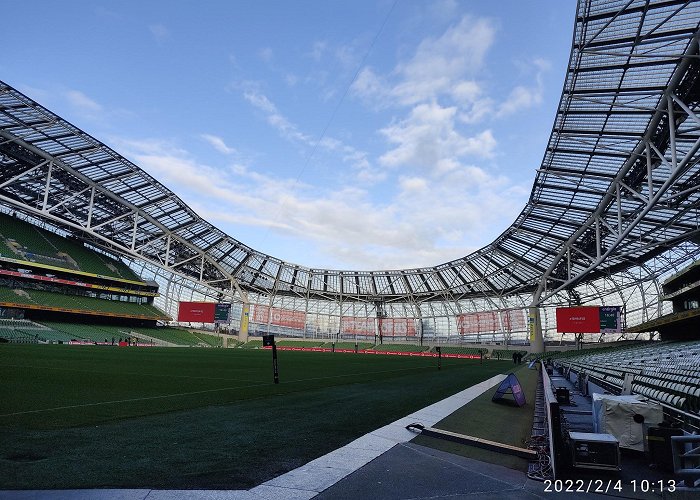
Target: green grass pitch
point(93, 417)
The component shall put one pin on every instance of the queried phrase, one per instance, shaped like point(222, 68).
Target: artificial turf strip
point(483, 418)
point(235, 440)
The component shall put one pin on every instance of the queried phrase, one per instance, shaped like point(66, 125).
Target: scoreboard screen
point(589, 319)
point(199, 312)
point(222, 312)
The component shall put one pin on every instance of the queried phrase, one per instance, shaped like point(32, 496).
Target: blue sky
point(333, 134)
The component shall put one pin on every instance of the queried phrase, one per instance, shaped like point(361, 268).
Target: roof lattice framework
point(618, 183)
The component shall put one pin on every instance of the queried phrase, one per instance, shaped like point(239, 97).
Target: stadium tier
point(94, 333)
point(252, 344)
point(105, 333)
point(207, 339)
point(20, 240)
point(44, 275)
point(24, 331)
point(462, 350)
point(15, 335)
point(233, 343)
point(175, 336)
point(40, 300)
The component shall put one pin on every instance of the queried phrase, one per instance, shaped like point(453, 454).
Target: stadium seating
point(25, 331)
point(44, 247)
point(666, 372)
point(462, 350)
point(19, 236)
point(233, 343)
point(50, 335)
point(17, 336)
point(252, 344)
point(79, 303)
point(100, 333)
point(80, 331)
point(175, 336)
point(13, 296)
point(208, 339)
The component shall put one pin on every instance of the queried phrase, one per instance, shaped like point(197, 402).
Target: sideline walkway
point(415, 472)
point(302, 483)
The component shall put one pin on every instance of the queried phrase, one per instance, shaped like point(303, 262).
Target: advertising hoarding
point(350, 325)
point(279, 317)
point(397, 327)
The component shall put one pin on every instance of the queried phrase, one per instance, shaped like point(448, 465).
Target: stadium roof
point(618, 182)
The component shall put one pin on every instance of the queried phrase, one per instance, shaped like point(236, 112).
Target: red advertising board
point(397, 327)
point(488, 321)
point(478, 322)
point(513, 320)
point(584, 319)
point(279, 317)
point(199, 312)
point(467, 323)
point(357, 326)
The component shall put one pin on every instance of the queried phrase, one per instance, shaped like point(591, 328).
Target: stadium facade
point(613, 210)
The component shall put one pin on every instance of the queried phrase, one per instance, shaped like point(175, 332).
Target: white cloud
point(159, 32)
point(278, 121)
point(465, 91)
point(290, 131)
point(524, 97)
point(413, 184)
point(260, 101)
point(291, 79)
point(218, 143)
point(435, 203)
point(444, 10)
point(439, 89)
point(443, 66)
point(347, 56)
point(447, 69)
point(428, 136)
point(266, 54)
point(82, 102)
point(318, 49)
point(371, 88)
point(431, 219)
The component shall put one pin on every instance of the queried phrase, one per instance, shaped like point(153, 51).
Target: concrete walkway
point(302, 483)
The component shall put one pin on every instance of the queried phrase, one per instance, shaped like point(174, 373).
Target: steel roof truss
point(675, 166)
